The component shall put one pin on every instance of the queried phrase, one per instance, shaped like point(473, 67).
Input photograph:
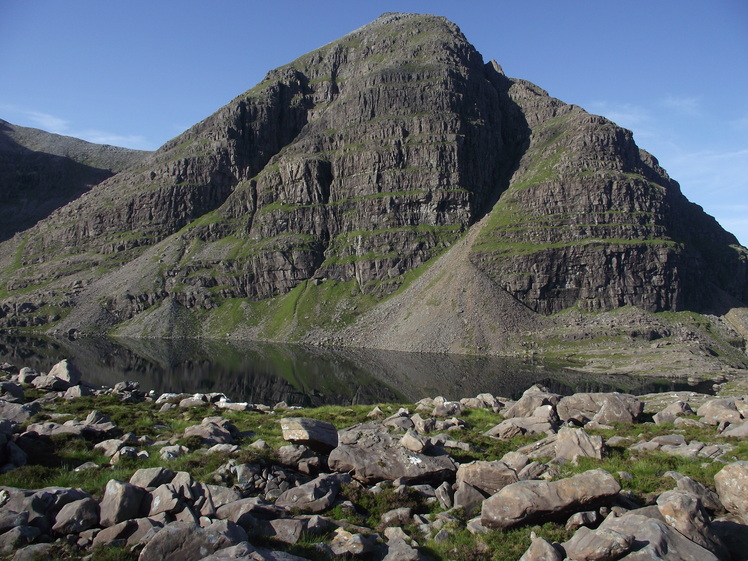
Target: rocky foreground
point(590, 476)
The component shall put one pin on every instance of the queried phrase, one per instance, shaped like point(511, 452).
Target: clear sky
point(136, 73)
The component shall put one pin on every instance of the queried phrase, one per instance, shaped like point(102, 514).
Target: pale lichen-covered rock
point(572, 443)
point(532, 501)
point(370, 454)
point(604, 408)
point(731, 483)
point(531, 399)
point(716, 411)
point(318, 435)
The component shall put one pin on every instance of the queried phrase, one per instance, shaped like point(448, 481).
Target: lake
point(308, 376)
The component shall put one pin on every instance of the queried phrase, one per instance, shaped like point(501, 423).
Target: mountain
point(392, 190)
point(40, 172)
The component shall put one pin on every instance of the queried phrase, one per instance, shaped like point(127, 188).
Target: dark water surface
point(309, 376)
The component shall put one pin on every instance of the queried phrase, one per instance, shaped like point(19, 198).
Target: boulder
point(685, 513)
point(672, 412)
point(318, 435)
point(716, 411)
point(184, 541)
point(531, 501)
point(509, 428)
point(588, 518)
point(468, 498)
point(370, 454)
point(708, 498)
point(213, 430)
point(541, 550)
point(400, 550)
point(316, 496)
point(151, 477)
point(604, 408)
point(41, 505)
point(50, 384)
point(573, 443)
point(654, 540)
point(35, 552)
point(18, 413)
point(598, 545)
point(246, 512)
point(77, 516)
point(531, 399)
point(489, 477)
point(121, 502)
point(67, 372)
point(731, 483)
point(348, 543)
point(18, 537)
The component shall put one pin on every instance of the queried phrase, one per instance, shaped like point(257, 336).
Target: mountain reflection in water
point(308, 376)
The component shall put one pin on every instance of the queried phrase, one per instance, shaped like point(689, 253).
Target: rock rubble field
point(116, 473)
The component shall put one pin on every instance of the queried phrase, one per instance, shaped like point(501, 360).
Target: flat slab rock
point(318, 435)
point(371, 454)
point(531, 501)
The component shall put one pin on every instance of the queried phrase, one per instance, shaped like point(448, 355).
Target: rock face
point(40, 172)
point(344, 171)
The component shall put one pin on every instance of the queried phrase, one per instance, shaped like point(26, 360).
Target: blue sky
point(136, 73)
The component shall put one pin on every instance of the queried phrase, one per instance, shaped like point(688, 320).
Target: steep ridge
point(319, 205)
point(40, 172)
point(591, 220)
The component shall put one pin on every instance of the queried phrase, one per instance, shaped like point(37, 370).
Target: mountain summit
point(313, 206)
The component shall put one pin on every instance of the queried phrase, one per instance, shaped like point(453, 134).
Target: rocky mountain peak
point(306, 202)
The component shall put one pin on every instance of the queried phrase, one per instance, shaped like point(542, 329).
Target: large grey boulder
point(18, 413)
point(67, 372)
point(731, 483)
point(598, 545)
point(152, 477)
point(318, 435)
point(541, 550)
point(685, 513)
point(654, 540)
point(371, 454)
point(531, 399)
point(509, 428)
point(246, 512)
point(316, 496)
point(41, 505)
point(535, 501)
point(604, 408)
point(572, 443)
point(121, 502)
point(716, 411)
point(489, 477)
point(213, 430)
point(672, 412)
point(184, 541)
point(77, 516)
